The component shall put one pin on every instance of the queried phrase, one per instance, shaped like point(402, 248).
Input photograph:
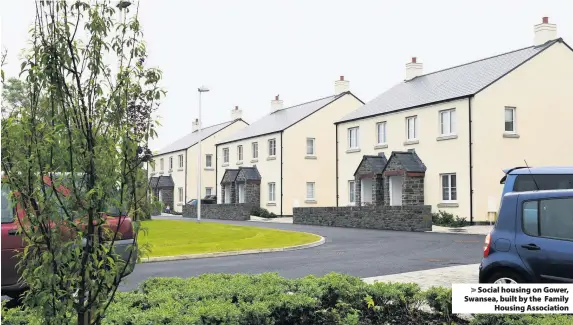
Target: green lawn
point(174, 237)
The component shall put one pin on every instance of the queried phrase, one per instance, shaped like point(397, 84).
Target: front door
point(241, 193)
point(396, 183)
point(545, 241)
point(366, 190)
point(227, 194)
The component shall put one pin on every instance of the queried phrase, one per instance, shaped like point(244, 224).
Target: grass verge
point(174, 237)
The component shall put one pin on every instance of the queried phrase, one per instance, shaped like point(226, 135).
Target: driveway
point(359, 252)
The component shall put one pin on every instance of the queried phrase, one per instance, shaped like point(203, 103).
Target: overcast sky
point(250, 50)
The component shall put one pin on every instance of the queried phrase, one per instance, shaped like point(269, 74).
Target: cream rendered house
point(466, 124)
point(173, 173)
point(293, 150)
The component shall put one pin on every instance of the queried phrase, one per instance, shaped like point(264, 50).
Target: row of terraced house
point(458, 128)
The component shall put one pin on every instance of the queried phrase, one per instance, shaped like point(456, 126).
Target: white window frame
point(381, 139)
point(448, 122)
point(152, 164)
point(311, 144)
point(240, 153)
point(180, 161)
point(312, 187)
point(161, 164)
point(180, 194)
point(208, 191)
point(272, 187)
point(225, 155)
point(171, 163)
point(412, 125)
point(208, 160)
point(449, 187)
point(255, 149)
point(352, 192)
point(272, 147)
point(353, 134)
point(513, 122)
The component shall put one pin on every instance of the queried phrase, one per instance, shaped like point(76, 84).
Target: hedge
point(269, 299)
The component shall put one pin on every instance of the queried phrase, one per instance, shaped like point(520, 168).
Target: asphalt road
point(358, 252)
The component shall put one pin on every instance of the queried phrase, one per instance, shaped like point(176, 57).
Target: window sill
point(239, 162)
point(271, 157)
point(271, 204)
point(310, 157)
point(225, 165)
point(411, 142)
point(510, 135)
point(447, 137)
point(170, 171)
point(209, 168)
point(310, 201)
point(153, 173)
point(160, 173)
point(254, 160)
point(180, 169)
point(353, 150)
point(179, 204)
point(448, 205)
point(381, 146)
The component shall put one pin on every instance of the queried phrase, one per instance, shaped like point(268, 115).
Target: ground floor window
point(208, 191)
point(310, 190)
point(351, 192)
point(272, 192)
point(180, 192)
point(449, 187)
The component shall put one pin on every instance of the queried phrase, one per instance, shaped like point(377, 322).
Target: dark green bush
point(446, 219)
point(268, 299)
point(262, 212)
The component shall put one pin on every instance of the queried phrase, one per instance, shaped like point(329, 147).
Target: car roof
point(539, 170)
point(542, 194)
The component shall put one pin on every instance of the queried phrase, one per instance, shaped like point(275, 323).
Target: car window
point(524, 183)
point(552, 218)
point(7, 207)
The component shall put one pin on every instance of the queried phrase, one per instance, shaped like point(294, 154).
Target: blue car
point(532, 241)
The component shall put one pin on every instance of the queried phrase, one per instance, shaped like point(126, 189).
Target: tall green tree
point(85, 113)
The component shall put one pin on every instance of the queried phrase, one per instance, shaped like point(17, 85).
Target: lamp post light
point(201, 90)
point(122, 5)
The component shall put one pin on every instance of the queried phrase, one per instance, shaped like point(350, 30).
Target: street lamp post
point(201, 90)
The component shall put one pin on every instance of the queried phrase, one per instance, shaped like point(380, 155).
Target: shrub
point(262, 212)
point(446, 219)
point(268, 299)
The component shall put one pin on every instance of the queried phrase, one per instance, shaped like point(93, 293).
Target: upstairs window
point(448, 122)
point(353, 138)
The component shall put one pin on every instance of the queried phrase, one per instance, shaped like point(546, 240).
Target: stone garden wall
point(402, 218)
point(233, 211)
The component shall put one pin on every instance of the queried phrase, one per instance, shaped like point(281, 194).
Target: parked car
point(13, 243)
point(532, 241)
point(209, 199)
point(522, 179)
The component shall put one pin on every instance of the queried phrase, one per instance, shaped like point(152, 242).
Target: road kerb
point(231, 253)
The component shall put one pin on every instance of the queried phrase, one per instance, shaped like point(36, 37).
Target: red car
point(13, 243)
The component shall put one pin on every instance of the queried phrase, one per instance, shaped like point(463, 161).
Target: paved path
point(444, 277)
point(358, 252)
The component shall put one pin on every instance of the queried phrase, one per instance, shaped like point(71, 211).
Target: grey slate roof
point(192, 138)
point(457, 82)
point(281, 119)
point(229, 176)
point(377, 163)
point(161, 182)
point(249, 174)
point(409, 160)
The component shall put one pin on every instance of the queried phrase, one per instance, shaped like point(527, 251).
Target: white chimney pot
point(341, 86)
point(195, 125)
point(414, 69)
point(544, 32)
point(276, 104)
point(236, 113)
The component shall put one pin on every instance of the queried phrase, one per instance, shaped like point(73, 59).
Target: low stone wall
point(402, 218)
point(238, 211)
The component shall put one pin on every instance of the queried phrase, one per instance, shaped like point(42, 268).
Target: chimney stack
point(341, 86)
point(276, 104)
point(236, 113)
point(195, 125)
point(544, 32)
point(413, 69)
